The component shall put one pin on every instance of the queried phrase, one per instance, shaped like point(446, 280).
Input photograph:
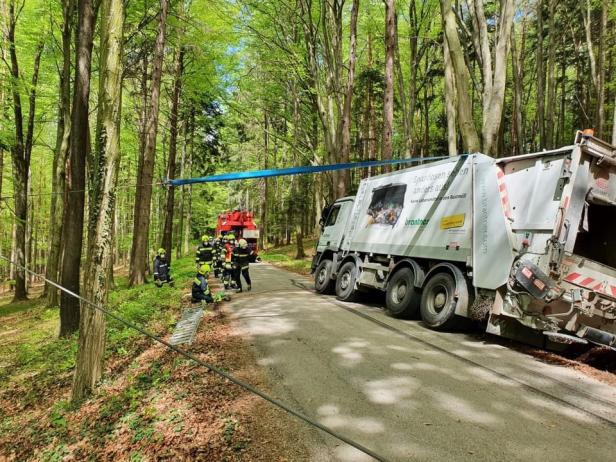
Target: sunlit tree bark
point(90, 353)
point(139, 249)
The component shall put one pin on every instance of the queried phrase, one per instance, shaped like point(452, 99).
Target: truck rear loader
point(526, 244)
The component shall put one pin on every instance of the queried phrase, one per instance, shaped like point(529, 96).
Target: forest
point(103, 100)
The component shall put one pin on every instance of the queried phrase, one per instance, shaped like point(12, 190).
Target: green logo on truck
point(416, 221)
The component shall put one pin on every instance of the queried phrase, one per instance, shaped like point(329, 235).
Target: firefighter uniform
point(228, 272)
point(200, 289)
point(217, 255)
point(205, 252)
point(162, 269)
point(242, 256)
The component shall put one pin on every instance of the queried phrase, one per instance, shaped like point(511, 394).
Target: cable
point(209, 366)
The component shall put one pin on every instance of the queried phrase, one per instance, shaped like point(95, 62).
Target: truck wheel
point(439, 300)
point(402, 298)
point(345, 282)
point(323, 282)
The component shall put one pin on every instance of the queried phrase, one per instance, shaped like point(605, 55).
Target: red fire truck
point(240, 223)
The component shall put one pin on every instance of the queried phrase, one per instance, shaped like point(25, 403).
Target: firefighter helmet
point(161, 251)
point(205, 238)
point(205, 269)
point(243, 244)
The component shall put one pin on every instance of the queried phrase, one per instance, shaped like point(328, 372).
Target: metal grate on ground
point(186, 328)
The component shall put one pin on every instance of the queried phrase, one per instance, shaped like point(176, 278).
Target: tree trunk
point(139, 249)
point(1, 158)
point(90, 354)
point(370, 112)
point(601, 70)
point(173, 137)
point(264, 228)
point(187, 225)
point(540, 77)
point(470, 138)
point(60, 154)
point(561, 136)
point(72, 232)
point(388, 99)
point(517, 62)
point(614, 124)
point(450, 101)
point(180, 227)
point(493, 68)
point(344, 179)
point(551, 78)
point(21, 150)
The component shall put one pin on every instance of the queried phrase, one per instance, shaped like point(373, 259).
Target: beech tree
point(72, 229)
point(141, 220)
point(21, 150)
point(99, 265)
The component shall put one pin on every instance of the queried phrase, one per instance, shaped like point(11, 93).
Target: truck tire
point(439, 300)
point(323, 282)
point(402, 298)
point(345, 282)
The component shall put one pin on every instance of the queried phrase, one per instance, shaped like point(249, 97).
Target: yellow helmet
point(161, 251)
point(243, 244)
point(231, 236)
point(205, 238)
point(205, 269)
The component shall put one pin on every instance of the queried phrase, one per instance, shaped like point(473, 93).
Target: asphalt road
point(409, 393)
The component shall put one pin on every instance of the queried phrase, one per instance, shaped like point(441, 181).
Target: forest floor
point(151, 405)
point(284, 257)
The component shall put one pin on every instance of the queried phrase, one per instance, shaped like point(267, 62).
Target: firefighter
point(216, 255)
point(205, 252)
point(243, 256)
point(162, 269)
point(200, 289)
point(228, 271)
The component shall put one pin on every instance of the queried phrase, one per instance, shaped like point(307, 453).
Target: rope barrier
point(207, 365)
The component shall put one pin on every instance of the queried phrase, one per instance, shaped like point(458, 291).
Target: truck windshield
point(333, 216)
point(598, 243)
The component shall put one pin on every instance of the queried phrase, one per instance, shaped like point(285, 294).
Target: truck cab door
point(334, 225)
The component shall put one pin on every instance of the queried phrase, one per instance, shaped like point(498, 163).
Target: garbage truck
point(524, 244)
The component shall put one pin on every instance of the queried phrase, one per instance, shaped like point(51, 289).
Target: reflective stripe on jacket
point(242, 256)
point(200, 285)
point(204, 253)
point(161, 267)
